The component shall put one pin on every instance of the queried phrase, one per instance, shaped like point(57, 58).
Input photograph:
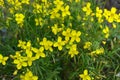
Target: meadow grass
point(58, 40)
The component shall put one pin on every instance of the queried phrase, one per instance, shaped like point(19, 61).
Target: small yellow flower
point(100, 51)
point(97, 51)
point(28, 76)
point(87, 45)
point(114, 25)
point(58, 2)
point(37, 8)
point(104, 42)
point(87, 9)
point(54, 13)
point(106, 32)
point(19, 18)
point(39, 21)
point(98, 12)
point(25, 1)
point(20, 63)
point(85, 75)
point(15, 72)
point(75, 36)
point(55, 29)
point(21, 43)
point(67, 34)
point(73, 50)
point(77, 1)
point(47, 44)
point(2, 3)
point(65, 11)
point(3, 59)
point(59, 43)
point(39, 52)
point(30, 59)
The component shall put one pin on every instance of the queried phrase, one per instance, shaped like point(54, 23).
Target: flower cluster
point(56, 34)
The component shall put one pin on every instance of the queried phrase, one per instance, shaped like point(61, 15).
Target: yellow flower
point(47, 44)
point(67, 34)
point(59, 43)
point(28, 76)
point(37, 8)
point(87, 9)
point(114, 25)
point(85, 75)
point(20, 62)
point(30, 59)
point(3, 59)
point(100, 51)
point(17, 5)
point(54, 13)
point(55, 29)
point(98, 12)
point(87, 45)
point(97, 52)
point(39, 52)
point(27, 46)
point(106, 32)
point(106, 13)
point(2, 3)
point(21, 43)
point(39, 21)
point(25, 1)
point(73, 50)
point(65, 11)
point(15, 72)
point(75, 36)
point(19, 18)
point(111, 15)
point(77, 1)
point(45, 1)
point(58, 4)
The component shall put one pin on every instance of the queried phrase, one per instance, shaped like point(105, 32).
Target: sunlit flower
point(39, 21)
point(2, 3)
point(37, 8)
point(39, 52)
point(59, 43)
point(87, 45)
point(75, 36)
point(3, 59)
point(28, 76)
point(106, 32)
point(65, 11)
point(97, 51)
point(85, 75)
point(67, 34)
point(73, 50)
point(25, 1)
point(47, 44)
point(77, 1)
point(87, 9)
point(54, 13)
point(20, 62)
point(19, 18)
point(55, 29)
point(99, 14)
